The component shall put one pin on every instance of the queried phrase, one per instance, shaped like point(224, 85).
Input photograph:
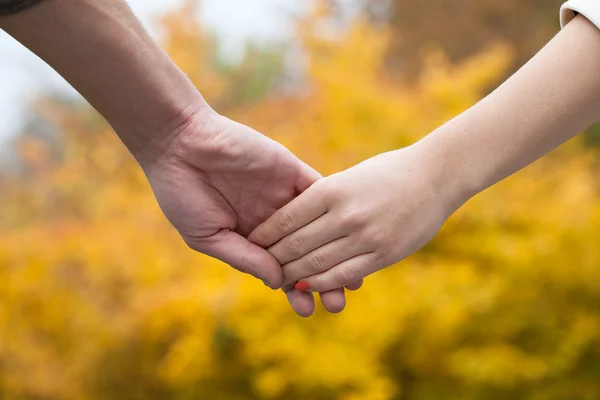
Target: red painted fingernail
point(305, 287)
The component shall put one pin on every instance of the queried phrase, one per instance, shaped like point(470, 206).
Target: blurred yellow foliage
point(99, 298)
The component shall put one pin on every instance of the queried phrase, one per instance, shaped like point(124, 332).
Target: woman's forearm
point(104, 52)
point(549, 100)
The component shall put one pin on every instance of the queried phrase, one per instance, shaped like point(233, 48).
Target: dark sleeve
point(14, 6)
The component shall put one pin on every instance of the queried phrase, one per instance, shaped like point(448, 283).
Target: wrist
point(447, 175)
point(148, 141)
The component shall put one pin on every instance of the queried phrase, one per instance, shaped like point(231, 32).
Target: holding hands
point(214, 189)
point(232, 193)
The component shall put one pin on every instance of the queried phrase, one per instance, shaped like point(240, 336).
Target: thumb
point(238, 252)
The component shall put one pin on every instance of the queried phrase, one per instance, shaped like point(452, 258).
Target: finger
point(242, 255)
point(320, 260)
point(334, 301)
point(303, 303)
point(343, 274)
point(302, 210)
point(306, 239)
point(307, 178)
point(355, 285)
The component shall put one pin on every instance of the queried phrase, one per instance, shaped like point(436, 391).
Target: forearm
point(549, 100)
point(104, 52)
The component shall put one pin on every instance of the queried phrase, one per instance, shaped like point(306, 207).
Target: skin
point(215, 179)
point(351, 224)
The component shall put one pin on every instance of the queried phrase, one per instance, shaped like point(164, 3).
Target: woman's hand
point(351, 224)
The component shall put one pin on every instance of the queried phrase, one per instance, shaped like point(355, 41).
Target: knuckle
point(373, 239)
point(379, 257)
point(346, 275)
point(353, 219)
point(284, 221)
point(319, 188)
point(332, 189)
point(316, 263)
point(296, 245)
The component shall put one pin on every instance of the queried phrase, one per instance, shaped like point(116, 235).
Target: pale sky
point(23, 75)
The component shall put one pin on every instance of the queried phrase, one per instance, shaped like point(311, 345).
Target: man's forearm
point(551, 99)
point(104, 52)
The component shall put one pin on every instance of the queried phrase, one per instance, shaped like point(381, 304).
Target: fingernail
point(305, 287)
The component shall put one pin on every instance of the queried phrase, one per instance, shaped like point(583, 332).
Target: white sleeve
point(588, 8)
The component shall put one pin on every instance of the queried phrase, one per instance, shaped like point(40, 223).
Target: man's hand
point(217, 181)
